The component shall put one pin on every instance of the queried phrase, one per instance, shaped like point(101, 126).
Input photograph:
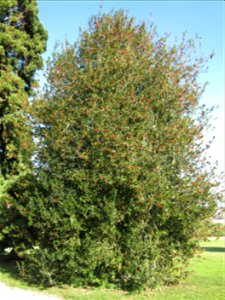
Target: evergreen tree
point(121, 194)
point(22, 41)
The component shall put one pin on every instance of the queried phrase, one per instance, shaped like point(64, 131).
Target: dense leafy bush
point(120, 192)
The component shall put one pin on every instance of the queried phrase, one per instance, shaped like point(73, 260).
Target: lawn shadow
point(10, 268)
point(214, 249)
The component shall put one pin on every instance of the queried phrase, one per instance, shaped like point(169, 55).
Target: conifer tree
point(22, 41)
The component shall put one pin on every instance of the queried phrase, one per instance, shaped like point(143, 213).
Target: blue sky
point(62, 19)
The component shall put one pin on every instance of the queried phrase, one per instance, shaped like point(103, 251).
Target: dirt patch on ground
point(9, 293)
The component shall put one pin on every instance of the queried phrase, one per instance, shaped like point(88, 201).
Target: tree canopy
point(120, 194)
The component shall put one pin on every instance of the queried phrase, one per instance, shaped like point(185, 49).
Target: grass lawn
point(206, 281)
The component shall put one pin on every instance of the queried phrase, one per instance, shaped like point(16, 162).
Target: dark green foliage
point(120, 194)
point(22, 41)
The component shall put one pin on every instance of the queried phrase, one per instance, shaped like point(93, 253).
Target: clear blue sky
point(62, 19)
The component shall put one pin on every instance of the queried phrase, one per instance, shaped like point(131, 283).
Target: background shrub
point(216, 230)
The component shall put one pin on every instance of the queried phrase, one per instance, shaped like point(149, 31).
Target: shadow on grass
point(10, 268)
point(214, 249)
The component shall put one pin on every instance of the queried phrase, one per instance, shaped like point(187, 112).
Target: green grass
point(206, 281)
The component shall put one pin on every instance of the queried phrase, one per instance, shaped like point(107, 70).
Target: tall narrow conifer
point(22, 41)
